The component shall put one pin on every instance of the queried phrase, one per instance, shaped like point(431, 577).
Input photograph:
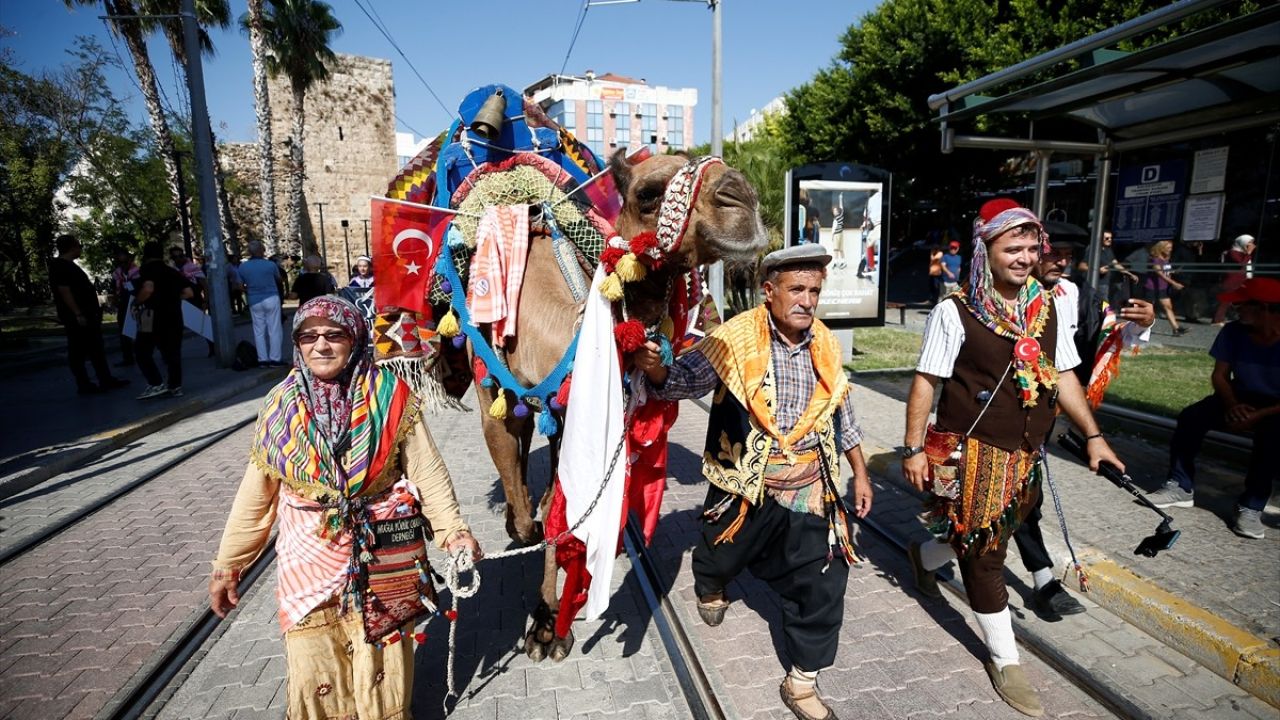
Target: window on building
point(557, 112)
point(675, 127)
point(595, 126)
point(622, 124)
point(649, 126)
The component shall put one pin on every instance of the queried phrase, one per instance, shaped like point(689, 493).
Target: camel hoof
point(538, 640)
point(534, 649)
point(560, 647)
point(530, 534)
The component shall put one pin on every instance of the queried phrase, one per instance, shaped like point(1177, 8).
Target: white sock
point(934, 555)
point(802, 678)
point(1042, 577)
point(997, 630)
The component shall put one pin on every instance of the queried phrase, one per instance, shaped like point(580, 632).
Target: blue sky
point(769, 47)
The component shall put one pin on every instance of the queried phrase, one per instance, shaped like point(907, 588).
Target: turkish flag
point(406, 242)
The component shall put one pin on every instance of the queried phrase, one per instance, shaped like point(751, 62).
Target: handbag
point(400, 584)
point(945, 453)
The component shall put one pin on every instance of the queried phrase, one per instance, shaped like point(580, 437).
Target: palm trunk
point(297, 175)
point(262, 106)
point(128, 29)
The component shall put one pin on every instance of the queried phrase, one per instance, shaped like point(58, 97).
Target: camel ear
point(621, 171)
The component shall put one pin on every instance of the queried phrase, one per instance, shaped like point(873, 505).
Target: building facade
point(611, 112)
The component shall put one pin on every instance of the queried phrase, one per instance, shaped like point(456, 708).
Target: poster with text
point(1149, 201)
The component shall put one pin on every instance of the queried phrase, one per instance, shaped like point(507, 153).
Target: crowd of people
point(147, 299)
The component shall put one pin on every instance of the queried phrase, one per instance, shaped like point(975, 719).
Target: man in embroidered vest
point(997, 344)
point(780, 419)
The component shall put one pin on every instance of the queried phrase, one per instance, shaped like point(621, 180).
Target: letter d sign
point(1150, 174)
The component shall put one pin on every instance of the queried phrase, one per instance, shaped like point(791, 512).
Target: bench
point(901, 308)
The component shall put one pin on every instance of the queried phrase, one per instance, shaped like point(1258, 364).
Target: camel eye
point(649, 196)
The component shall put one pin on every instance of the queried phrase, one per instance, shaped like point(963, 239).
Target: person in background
point(935, 274)
point(1187, 255)
point(1246, 397)
point(193, 273)
point(264, 286)
point(363, 277)
point(238, 304)
point(1241, 255)
point(81, 317)
point(313, 281)
point(951, 263)
point(1159, 280)
point(124, 276)
point(158, 306)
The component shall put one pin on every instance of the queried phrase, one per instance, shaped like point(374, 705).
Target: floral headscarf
point(330, 401)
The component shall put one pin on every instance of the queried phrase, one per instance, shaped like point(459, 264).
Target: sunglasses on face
point(333, 337)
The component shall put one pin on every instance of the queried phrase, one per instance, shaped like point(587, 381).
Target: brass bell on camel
point(493, 113)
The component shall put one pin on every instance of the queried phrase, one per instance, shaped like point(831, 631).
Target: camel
point(724, 224)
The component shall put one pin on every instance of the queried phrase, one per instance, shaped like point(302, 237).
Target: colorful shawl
point(739, 351)
point(1024, 320)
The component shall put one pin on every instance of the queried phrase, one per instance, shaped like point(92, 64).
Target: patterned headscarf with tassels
point(1024, 320)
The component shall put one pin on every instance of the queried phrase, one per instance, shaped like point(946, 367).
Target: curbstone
point(102, 443)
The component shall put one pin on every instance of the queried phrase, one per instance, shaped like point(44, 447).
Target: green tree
point(298, 34)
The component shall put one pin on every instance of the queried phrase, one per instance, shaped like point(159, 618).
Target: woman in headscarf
point(341, 456)
point(363, 275)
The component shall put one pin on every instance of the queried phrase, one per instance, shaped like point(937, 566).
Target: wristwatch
point(907, 452)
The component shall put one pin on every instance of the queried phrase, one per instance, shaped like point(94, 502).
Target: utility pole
point(215, 253)
point(324, 249)
point(346, 248)
point(184, 220)
point(715, 274)
point(366, 236)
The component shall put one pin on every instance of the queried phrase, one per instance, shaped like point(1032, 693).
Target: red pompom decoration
point(420, 637)
point(992, 208)
point(451, 615)
point(610, 257)
point(644, 242)
point(562, 395)
point(629, 335)
point(479, 369)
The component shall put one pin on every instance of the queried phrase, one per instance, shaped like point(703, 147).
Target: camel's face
point(725, 222)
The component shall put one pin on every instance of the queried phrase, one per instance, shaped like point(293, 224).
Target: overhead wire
point(386, 34)
point(573, 40)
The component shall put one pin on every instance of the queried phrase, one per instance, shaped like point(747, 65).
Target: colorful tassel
point(487, 381)
point(448, 325)
point(611, 288)
point(629, 335)
point(547, 424)
point(667, 327)
point(521, 411)
point(664, 349)
point(630, 269)
point(498, 410)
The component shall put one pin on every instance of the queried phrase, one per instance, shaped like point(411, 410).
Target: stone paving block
point(256, 697)
point(627, 695)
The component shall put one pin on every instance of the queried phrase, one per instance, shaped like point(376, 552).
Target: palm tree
point(252, 21)
point(124, 23)
point(298, 33)
point(209, 13)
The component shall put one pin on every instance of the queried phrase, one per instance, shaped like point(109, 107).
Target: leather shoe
point(1054, 599)
point(712, 609)
point(926, 580)
point(806, 704)
point(1012, 687)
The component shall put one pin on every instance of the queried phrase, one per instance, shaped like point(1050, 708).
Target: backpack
point(246, 356)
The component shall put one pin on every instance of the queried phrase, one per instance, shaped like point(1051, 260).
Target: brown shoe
point(712, 609)
point(1012, 687)
point(805, 704)
point(926, 580)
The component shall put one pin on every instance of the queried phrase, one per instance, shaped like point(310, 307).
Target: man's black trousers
point(1035, 556)
point(787, 550)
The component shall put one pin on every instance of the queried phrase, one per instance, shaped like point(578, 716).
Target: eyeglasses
point(333, 337)
point(1057, 254)
point(1021, 232)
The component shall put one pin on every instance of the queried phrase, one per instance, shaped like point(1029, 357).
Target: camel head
point(725, 220)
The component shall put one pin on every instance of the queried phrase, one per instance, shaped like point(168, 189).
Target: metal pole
point(1042, 183)
point(715, 275)
point(346, 247)
point(324, 249)
point(366, 235)
point(215, 254)
point(184, 221)
point(1099, 217)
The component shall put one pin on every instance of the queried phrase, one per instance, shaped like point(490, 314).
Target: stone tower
point(349, 154)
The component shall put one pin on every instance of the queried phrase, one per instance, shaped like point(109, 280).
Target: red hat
point(1260, 289)
point(992, 208)
point(954, 244)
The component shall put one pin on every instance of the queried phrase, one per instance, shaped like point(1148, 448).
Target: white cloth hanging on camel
point(593, 426)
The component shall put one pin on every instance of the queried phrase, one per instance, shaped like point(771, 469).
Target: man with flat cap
point(780, 419)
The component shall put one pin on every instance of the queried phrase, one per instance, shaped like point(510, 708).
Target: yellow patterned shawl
point(739, 352)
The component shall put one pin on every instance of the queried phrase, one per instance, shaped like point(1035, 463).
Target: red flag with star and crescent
point(406, 242)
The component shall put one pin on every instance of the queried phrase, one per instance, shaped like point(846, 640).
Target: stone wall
point(349, 146)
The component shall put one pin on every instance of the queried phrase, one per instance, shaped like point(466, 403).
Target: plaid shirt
point(692, 376)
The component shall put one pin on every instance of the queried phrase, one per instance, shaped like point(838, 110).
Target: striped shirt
point(692, 376)
point(944, 334)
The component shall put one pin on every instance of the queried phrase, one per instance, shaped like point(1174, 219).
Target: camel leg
point(503, 439)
